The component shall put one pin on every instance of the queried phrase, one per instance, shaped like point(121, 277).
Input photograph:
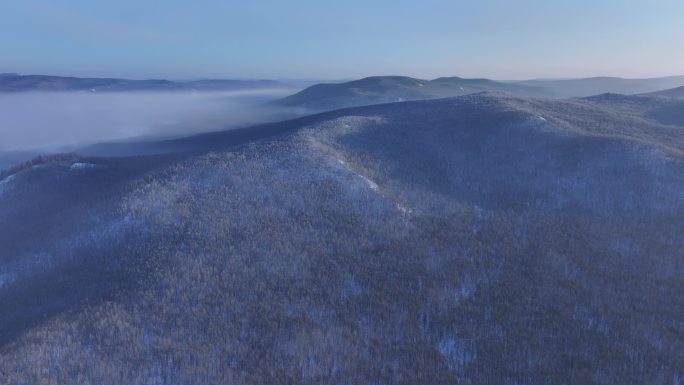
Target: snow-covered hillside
point(483, 239)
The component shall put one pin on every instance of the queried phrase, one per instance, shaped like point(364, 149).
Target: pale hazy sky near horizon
point(320, 39)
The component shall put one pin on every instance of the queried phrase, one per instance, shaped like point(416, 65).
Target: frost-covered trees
point(490, 248)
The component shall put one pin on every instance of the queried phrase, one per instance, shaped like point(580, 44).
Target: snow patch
point(374, 186)
point(404, 209)
point(81, 166)
point(370, 183)
point(4, 183)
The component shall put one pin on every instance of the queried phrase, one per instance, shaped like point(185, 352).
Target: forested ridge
point(484, 239)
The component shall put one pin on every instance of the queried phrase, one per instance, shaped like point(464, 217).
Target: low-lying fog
point(60, 121)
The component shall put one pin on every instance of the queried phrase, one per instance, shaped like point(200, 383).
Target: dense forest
point(484, 239)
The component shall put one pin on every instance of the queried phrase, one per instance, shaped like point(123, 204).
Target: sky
point(343, 39)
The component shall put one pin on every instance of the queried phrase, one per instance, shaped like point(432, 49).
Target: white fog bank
point(57, 120)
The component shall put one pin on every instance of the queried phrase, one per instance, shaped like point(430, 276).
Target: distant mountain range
point(18, 83)
point(385, 89)
point(567, 88)
point(366, 91)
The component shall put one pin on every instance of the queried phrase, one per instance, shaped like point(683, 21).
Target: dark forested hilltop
point(386, 89)
point(480, 239)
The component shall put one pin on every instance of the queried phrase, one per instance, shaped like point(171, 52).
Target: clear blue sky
point(503, 39)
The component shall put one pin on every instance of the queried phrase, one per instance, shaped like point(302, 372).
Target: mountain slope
point(651, 106)
point(567, 88)
point(671, 93)
point(17, 83)
point(479, 239)
point(385, 89)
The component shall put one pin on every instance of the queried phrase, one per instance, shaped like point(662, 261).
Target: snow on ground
point(81, 166)
point(374, 186)
point(404, 209)
point(6, 180)
point(4, 183)
point(370, 183)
